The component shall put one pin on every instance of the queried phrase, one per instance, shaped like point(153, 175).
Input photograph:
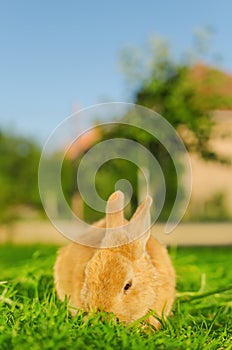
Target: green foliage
point(176, 99)
point(19, 159)
point(19, 162)
point(31, 317)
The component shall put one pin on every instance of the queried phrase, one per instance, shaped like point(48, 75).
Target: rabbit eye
point(128, 285)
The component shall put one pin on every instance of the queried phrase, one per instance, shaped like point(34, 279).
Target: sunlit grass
point(31, 317)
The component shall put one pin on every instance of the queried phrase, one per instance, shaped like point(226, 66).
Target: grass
point(31, 317)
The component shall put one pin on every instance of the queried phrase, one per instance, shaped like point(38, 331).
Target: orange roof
point(212, 82)
point(83, 143)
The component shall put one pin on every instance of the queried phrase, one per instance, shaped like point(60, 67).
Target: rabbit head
point(122, 279)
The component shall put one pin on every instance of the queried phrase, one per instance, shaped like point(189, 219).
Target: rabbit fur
point(130, 278)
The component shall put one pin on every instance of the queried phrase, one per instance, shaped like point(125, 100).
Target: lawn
point(31, 317)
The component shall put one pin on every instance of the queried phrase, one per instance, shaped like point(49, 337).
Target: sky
point(58, 56)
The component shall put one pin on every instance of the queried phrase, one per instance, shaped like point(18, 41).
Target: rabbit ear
point(114, 235)
point(139, 226)
point(114, 210)
point(137, 230)
point(143, 209)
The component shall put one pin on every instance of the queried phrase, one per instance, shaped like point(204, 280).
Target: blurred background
point(173, 57)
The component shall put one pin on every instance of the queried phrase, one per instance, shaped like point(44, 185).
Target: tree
point(19, 159)
point(185, 93)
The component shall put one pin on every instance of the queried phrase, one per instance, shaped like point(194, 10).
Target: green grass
point(31, 317)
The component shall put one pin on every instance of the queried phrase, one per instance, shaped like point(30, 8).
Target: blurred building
point(212, 180)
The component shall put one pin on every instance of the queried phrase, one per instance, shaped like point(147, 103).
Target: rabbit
point(128, 279)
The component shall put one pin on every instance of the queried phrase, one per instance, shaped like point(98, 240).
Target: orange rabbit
point(129, 279)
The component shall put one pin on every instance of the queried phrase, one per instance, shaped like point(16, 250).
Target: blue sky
point(57, 55)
